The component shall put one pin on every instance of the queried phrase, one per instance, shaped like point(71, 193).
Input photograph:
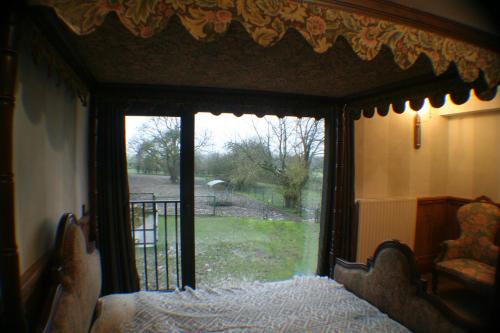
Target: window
point(257, 198)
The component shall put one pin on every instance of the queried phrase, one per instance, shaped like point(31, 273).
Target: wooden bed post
point(92, 169)
point(11, 308)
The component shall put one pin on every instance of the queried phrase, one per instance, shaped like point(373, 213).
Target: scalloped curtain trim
point(268, 20)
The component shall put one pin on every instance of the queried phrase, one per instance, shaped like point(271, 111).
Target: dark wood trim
point(187, 199)
point(143, 98)
point(414, 273)
point(50, 310)
point(35, 282)
point(434, 224)
point(31, 277)
point(394, 12)
point(432, 200)
point(354, 265)
point(11, 314)
point(454, 200)
point(92, 168)
point(325, 253)
point(486, 199)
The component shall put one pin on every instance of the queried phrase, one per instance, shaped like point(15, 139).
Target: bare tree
point(285, 149)
point(159, 143)
point(311, 138)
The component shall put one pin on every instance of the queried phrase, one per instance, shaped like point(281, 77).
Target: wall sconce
point(417, 131)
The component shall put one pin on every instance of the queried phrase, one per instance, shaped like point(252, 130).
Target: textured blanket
point(302, 304)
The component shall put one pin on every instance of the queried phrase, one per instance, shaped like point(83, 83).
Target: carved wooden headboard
point(390, 280)
point(76, 279)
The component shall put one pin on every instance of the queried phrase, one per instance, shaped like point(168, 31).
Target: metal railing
point(156, 233)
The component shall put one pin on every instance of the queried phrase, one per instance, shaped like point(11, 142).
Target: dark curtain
point(338, 231)
point(113, 215)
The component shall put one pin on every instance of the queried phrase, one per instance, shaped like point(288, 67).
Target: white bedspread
point(302, 304)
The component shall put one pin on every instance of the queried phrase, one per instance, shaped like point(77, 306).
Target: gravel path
point(241, 205)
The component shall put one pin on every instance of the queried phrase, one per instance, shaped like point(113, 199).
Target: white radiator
point(384, 219)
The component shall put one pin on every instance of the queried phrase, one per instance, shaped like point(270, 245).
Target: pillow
point(81, 280)
point(112, 311)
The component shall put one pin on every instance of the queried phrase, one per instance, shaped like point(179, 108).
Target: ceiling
point(111, 55)
point(173, 57)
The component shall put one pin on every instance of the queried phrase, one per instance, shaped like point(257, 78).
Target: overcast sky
point(221, 129)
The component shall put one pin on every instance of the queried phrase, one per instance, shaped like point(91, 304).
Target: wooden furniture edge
point(49, 312)
point(426, 200)
point(371, 262)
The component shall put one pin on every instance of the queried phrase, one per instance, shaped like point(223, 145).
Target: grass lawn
point(233, 250)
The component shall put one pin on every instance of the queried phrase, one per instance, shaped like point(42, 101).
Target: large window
point(257, 198)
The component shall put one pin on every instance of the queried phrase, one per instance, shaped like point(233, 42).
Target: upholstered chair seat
point(472, 258)
point(468, 270)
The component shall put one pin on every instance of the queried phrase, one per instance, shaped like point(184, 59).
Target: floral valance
point(268, 20)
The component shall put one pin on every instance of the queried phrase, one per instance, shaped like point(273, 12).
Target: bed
point(386, 295)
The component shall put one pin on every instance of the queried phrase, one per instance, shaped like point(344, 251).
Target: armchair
point(472, 258)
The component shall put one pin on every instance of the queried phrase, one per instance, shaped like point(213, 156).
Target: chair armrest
point(451, 249)
point(490, 254)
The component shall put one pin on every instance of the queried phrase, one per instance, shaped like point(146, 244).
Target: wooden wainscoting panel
point(35, 282)
point(431, 218)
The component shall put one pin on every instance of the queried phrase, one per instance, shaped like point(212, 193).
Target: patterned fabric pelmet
point(267, 21)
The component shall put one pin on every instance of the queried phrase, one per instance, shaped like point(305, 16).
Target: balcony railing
point(156, 233)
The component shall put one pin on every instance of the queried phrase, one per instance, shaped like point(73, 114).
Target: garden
point(257, 202)
point(231, 251)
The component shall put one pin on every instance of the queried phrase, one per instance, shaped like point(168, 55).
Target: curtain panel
point(338, 231)
point(113, 215)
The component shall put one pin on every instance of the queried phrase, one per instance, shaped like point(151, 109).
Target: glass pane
point(153, 151)
point(257, 198)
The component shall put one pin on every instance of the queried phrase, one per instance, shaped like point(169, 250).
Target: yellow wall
point(50, 157)
point(460, 154)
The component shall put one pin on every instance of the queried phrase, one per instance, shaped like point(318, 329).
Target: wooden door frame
point(187, 199)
